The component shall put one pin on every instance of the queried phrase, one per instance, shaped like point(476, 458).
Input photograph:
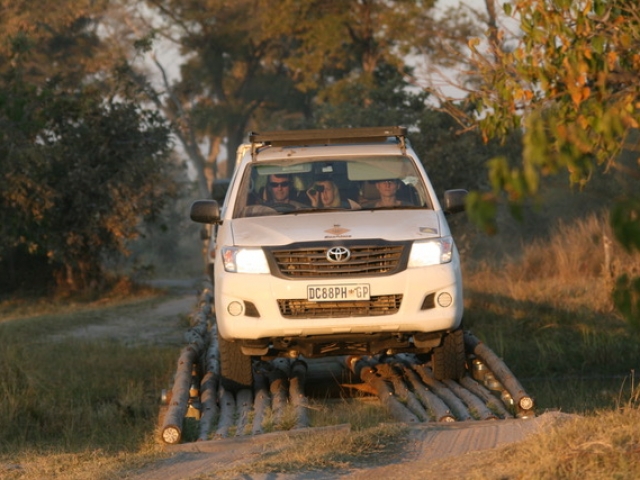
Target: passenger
point(388, 190)
point(325, 193)
point(278, 191)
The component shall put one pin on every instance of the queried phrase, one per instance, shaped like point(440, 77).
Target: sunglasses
point(284, 184)
point(389, 182)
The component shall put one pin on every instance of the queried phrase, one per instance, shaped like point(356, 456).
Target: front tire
point(236, 372)
point(449, 359)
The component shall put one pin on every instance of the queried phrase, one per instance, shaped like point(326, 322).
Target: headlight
point(244, 260)
point(431, 252)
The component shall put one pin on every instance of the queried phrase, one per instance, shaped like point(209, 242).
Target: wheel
point(236, 372)
point(449, 358)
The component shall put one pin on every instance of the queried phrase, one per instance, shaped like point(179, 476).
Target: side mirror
point(205, 211)
point(454, 201)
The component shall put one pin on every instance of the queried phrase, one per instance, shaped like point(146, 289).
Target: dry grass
point(602, 446)
point(546, 310)
point(570, 269)
point(324, 451)
point(90, 464)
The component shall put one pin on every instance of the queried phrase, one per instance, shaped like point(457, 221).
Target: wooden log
point(207, 309)
point(392, 373)
point(210, 379)
point(209, 386)
point(212, 357)
point(439, 410)
point(363, 368)
point(387, 396)
point(206, 296)
point(199, 321)
point(227, 411)
point(205, 300)
point(475, 405)
point(456, 405)
point(296, 393)
point(356, 363)
point(490, 400)
point(279, 387)
point(244, 406)
point(521, 399)
point(197, 339)
point(262, 400)
point(199, 326)
point(193, 337)
point(208, 389)
point(174, 418)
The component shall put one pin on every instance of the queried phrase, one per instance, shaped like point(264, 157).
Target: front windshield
point(380, 182)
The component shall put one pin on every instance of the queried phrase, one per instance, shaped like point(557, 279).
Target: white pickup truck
point(333, 242)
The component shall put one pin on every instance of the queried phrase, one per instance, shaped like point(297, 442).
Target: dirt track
point(436, 449)
point(429, 448)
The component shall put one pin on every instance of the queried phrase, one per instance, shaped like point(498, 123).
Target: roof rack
point(330, 136)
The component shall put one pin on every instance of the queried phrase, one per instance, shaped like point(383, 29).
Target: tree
point(233, 73)
point(65, 40)
point(265, 64)
point(455, 158)
point(82, 162)
point(384, 101)
point(354, 55)
point(571, 85)
point(77, 178)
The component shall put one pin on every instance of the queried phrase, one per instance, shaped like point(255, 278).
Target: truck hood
point(392, 225)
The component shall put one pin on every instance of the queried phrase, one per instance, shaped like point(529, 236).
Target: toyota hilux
point(333, 242)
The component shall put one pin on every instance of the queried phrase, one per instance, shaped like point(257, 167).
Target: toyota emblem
point(338, 254)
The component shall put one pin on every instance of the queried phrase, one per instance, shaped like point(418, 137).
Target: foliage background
point(92, 117)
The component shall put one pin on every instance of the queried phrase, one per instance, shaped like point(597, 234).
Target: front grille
point(376, 306)
point(306, 261)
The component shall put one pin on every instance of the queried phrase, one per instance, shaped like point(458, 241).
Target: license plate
point(338, 293)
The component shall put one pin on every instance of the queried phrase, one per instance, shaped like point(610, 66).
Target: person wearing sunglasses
point(278, 193)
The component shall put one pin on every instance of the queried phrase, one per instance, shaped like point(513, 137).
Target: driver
point(278, 191)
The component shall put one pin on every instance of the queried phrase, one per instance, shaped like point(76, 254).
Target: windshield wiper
point(323, 209)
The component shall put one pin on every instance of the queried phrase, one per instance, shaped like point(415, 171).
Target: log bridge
point(404, 385)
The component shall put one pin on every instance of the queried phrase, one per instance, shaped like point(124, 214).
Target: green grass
point(67, 405)
point(546, 347)
point(73, 395)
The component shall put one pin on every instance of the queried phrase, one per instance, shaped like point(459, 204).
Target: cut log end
point(526, 403)
point(171, 434)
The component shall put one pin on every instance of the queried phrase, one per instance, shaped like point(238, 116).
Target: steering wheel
point(283, 207)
